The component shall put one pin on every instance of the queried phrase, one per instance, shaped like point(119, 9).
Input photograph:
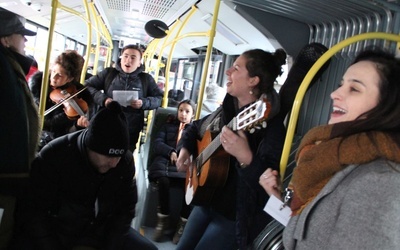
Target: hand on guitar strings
point(183, 161)
point(236, 144)
point(271, 182)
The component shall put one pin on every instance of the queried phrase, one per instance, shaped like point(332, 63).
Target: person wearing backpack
point(128, 74)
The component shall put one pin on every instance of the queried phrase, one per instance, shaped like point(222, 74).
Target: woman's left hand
point(236, 144)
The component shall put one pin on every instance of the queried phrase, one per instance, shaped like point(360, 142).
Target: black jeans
point(164, 184)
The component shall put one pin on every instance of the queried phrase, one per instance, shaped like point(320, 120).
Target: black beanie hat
point(107, 133)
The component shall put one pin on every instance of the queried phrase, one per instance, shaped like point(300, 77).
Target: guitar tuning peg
point(252, 130)
point(264, 124)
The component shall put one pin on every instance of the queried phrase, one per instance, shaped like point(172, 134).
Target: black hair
point(385, 116)
point(266, 65)
point(133, 46)
point(188, 101)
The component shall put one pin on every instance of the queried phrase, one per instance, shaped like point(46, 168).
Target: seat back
point(149, 217)
point(158, 119)
point(302, 64)
point(271, 236)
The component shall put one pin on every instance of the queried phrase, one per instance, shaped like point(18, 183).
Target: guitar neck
point(212, 147)
point(245, 119)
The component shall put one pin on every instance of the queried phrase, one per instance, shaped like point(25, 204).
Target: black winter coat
point(242, 199)
point(97, 86)
point(164, 145)
point(57, 122)
point(19, 127)
point(64, 188)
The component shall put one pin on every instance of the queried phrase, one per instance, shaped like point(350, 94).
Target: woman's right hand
point(173, 157)
point(183, 162)
point(271, 182)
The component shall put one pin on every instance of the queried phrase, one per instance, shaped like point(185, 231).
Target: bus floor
point(166, 241)
point(137, 223)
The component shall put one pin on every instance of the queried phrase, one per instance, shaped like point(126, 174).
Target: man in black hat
point(83, 192)
point(19, 127)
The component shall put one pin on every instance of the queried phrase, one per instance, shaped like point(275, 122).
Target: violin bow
point(62, 102)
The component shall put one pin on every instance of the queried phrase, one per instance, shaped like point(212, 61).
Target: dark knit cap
point(107, 133)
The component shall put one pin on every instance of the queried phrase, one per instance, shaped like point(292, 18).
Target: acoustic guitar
point(210, 168)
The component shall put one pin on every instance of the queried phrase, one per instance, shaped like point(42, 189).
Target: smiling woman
point(346, 165)
point(357, 94)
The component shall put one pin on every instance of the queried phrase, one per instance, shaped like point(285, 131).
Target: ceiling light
point(224, 30)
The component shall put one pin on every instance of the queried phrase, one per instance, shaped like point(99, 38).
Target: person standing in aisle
point(127, 75)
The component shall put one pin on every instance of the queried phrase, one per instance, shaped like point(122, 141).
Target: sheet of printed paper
point(124, 97)
point(275, 208)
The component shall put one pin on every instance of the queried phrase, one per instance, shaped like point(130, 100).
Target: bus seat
point(308, 55)
point(149, 218)
point(271, 236)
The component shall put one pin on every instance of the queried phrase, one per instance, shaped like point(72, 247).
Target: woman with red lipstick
point(127, 74)
point(347, 170)
point(234, 214)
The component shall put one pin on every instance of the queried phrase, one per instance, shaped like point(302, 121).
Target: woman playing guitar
point(64, 79)
point(229, 214)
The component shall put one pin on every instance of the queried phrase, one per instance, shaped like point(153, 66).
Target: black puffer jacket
point(151, 96)
point(57, 122)
point(64, 190)
point(164, 145)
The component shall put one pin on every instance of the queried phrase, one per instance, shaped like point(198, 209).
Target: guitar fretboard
point(212, 147)
point(248, 116)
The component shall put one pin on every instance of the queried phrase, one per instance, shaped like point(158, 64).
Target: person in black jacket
point(128, 74)
point(230, 212)
point(163, 170)
point(19, 126)
point(82, 191)
point(65, 75)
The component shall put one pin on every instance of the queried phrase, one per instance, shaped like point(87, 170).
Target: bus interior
point(189, 44)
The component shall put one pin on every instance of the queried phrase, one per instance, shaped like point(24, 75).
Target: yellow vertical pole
point(45, 85)
point(207, 59)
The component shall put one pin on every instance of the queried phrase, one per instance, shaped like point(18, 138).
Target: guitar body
point(195, 194)
point(201, 181)
point(209, 170)
point(214, 171)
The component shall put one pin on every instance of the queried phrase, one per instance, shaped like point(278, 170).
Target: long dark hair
point(266, 65)
point(385, 116)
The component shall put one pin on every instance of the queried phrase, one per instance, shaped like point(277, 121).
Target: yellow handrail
point(169, 40)
point(55, 4)
point(308, 78)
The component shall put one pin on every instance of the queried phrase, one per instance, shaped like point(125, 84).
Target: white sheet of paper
point(273, 208)
point(124, 97)
point(1, 214)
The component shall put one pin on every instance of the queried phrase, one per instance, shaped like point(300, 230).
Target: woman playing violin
point(64, 81)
